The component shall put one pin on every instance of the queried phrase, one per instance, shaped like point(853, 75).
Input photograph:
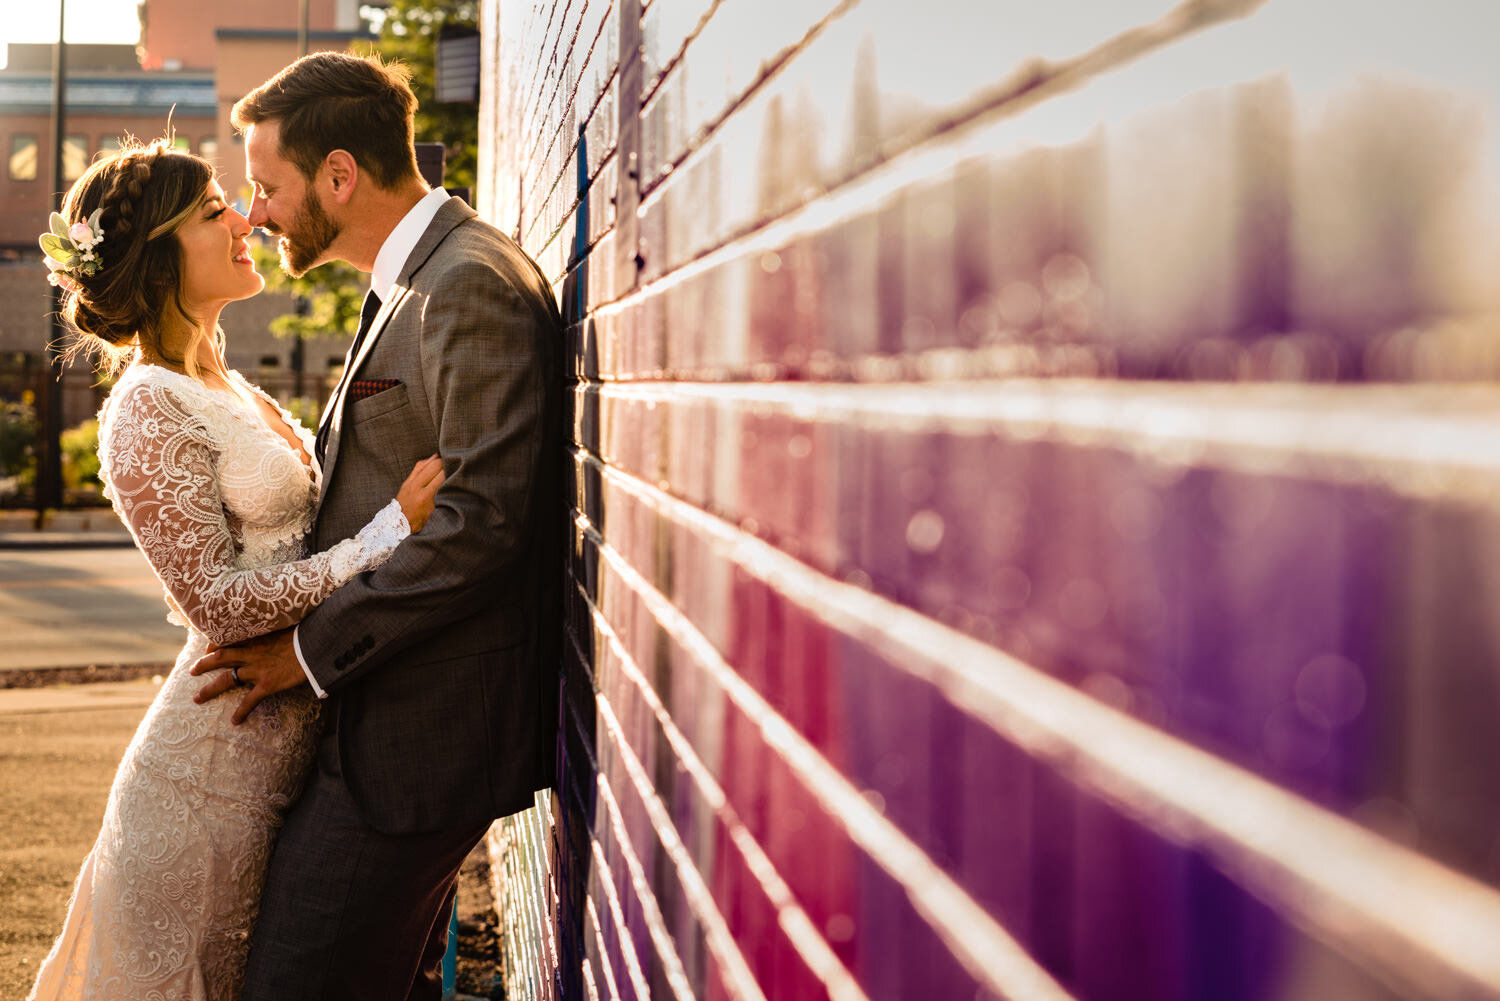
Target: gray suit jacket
point(441, 665)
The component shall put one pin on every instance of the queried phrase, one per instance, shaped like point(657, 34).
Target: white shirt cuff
point(297, 649)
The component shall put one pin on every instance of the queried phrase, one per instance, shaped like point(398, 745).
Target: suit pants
point(349, 912)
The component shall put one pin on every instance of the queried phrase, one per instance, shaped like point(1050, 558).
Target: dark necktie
point(366, 317)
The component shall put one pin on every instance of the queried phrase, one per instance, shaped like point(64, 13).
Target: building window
point(182, 143)
point(75, 157)
point(23, 152)
point(109, 144)
point(208, 147)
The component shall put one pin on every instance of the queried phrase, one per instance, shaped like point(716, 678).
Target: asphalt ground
point(74, 607)
point(83, 633)
point(59, 747)
point(58, 750)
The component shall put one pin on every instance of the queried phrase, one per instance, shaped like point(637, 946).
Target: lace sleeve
point(158, 461)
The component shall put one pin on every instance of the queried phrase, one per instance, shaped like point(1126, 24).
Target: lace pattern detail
point(219, 504)
point(212, 495)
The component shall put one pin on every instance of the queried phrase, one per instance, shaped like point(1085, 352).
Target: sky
point(1319, 43)
point(88, 21)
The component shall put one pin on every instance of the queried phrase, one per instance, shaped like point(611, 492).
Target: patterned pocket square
point(361, 388)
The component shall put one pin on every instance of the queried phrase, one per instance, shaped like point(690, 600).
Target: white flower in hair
point(69, 250)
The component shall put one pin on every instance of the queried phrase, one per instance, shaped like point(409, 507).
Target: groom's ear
point(341, 174)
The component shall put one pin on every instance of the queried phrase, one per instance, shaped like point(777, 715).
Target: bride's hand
point(415, 495)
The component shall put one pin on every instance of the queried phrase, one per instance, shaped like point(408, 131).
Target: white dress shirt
point(393, 254)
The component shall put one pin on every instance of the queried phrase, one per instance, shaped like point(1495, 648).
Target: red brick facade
point(181, 34)
point(109, 97)
point(24, 203)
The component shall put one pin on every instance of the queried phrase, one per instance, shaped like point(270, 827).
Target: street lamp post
point(49, 493)
point(299, 349)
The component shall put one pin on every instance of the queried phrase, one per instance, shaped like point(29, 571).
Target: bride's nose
point(239, 226)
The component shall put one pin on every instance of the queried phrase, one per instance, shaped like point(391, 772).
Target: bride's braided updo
point(146, 192)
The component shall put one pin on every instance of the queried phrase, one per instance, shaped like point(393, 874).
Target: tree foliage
point(332, 294)
point(409, 32)
point(17, 443)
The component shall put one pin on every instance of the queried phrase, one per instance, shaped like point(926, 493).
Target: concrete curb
point(90, 528)
point(13, 678)
point(65, 540)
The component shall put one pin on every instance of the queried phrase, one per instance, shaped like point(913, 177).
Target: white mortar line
point(529, 850)
point(604, 963)
point(1402, 914)
point(985, 949)
point(617, 915)
point(801, 932)
point(656, 924)
point(717, 935)
point(1431, 441)
point(973, 132)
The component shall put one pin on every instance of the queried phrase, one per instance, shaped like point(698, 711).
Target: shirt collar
point(402, 241)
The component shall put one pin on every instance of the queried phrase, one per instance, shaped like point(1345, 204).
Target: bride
point(217, 485)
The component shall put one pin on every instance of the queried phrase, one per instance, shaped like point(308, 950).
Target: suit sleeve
point(158, 461)
point(488, 351)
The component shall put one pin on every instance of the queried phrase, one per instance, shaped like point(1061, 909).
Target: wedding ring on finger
point(234, 672)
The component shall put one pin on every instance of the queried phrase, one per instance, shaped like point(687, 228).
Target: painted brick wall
point(1035, 476)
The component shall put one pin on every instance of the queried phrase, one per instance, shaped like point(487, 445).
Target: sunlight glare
point(89, 21)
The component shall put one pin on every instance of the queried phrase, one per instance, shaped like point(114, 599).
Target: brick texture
point(1033, 477)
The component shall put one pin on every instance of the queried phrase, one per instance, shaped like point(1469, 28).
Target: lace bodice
point(220, 505)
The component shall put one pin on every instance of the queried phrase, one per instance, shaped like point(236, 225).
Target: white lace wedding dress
point(220, 505)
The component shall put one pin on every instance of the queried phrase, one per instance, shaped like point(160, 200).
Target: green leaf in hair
point(56, 247)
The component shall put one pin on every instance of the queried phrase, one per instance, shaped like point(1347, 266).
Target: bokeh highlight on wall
point(1034, 477)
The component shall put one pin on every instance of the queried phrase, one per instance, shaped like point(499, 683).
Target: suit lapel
point(449, 215)
point(350, 362)
point(334, 412)
point(382, 315)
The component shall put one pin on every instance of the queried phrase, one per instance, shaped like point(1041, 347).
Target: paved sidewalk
point(88, 528)
point(82, 697)
point(59, 747)
point(77, 607)
point(58, 752)
point(94, 613)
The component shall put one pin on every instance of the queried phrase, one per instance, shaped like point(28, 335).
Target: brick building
point(241, 44)
point(1034, 472)
point(194, 61)
point(108, 96)
point(183, 34)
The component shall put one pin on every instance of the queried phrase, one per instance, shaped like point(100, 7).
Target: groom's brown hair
point(333, 100)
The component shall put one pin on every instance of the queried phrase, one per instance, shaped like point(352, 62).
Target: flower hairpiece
point(69, 250)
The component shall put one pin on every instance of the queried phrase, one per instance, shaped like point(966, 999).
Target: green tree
point(409, 32)
point(17, 444)
point(80, 457)
point(332, 293)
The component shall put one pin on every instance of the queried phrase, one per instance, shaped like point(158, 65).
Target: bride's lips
point(243, 257)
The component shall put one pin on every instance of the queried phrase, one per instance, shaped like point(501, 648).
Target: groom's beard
point(313, 232)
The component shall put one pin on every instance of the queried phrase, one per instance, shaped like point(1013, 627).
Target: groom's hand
point(265, 665)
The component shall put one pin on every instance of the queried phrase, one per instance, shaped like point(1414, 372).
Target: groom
point(438, 668)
